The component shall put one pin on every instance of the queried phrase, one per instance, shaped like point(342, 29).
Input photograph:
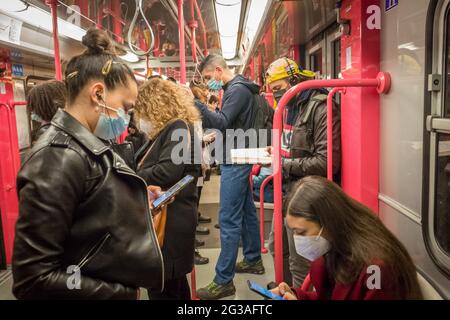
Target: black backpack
point(261, 118)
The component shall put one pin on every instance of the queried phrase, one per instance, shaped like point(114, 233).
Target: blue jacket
point(236, 112)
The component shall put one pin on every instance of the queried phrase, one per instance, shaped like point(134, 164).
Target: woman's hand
point(154, 192)
point(285, 291)
point(210, 137)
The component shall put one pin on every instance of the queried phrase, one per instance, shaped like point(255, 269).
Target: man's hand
point(285, 291)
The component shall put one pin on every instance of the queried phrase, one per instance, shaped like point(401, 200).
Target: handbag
point(160, 219)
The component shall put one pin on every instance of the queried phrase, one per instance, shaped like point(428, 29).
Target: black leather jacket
point(313, 159)
point(81, 205)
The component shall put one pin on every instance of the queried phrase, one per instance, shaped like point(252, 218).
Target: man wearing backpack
point(304, 146)
point(237, 213)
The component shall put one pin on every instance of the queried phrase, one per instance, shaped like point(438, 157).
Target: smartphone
point(174, 190)
point(262, 291)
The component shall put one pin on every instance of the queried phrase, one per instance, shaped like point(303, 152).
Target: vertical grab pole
point(202, 24)
point(183, 81)
point(193, 24)
point(261, 211)
point(330, 131)
point(117, 18)
point(54, 11)
point(182, 45)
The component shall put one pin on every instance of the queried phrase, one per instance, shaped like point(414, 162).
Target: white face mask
point(145, 126)
point(311, 247)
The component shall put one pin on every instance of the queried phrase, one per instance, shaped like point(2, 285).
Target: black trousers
point(174, 289)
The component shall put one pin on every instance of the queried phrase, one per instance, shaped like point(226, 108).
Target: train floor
point(209, 206)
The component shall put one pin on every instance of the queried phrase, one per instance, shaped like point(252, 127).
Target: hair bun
point(98, 42)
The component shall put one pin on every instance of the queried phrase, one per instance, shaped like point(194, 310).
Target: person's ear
point(97, 93)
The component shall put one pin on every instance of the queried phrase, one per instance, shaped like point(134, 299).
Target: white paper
point(250, 156)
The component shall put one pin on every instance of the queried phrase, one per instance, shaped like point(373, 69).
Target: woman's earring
point(97, 109)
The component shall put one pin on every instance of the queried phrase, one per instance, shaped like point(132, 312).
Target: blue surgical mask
point(215, 85)
point(110, 128)
point(36, 117)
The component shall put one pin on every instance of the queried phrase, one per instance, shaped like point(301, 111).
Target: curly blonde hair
point(161, 101)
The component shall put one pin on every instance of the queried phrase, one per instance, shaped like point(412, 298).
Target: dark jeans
point(174, 289)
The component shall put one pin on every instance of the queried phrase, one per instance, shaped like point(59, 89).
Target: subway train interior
point(385, 63)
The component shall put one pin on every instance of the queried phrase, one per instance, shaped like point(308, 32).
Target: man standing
point(304, 146)
point(237, 213)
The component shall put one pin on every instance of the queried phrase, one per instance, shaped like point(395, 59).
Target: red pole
point(193, 24)
point(54, 11)
point(117, 18)
point(99, 22)
point(330, 131)
point(261, 211)
point(202, 24)
point(182, 46)
point(382, 83)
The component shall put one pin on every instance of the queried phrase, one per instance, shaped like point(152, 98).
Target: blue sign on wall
point(391, 4)
point(17, 70)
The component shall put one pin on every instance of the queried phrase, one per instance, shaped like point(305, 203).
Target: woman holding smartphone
point(167, 115)
point(353, 255)
point(84, 229)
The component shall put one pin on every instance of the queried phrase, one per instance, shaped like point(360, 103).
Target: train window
point(442, 219)
point(447, 68)
point(336, 58)
point(23, 127)
point(316, 62)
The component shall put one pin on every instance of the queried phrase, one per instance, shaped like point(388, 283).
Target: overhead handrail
point(138, 10)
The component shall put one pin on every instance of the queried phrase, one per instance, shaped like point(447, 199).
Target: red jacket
point(358, 290)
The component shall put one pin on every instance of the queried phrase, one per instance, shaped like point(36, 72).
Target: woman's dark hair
point(100, 61)
point(45, 99)
point(358, 237)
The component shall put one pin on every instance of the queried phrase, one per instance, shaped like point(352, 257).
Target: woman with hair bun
point(84, 229)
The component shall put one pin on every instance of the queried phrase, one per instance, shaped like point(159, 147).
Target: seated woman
point(167, 115)
point(354, 256)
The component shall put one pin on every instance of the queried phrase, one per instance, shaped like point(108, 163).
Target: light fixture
point(42, 19)
point(228, 16)
point(130, 57)
point(254, 18)
point(15, 6)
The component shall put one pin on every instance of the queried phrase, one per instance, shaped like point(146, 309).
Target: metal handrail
point(382, 83)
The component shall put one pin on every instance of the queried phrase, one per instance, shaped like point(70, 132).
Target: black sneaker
point(199, 260)
point(253, 268)
point(214, 291)
point(202, 230)
point(203, 219)
point(199, 243)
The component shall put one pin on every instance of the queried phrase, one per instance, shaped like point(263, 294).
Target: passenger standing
point(84, 229)
point(354, 256)
point(304, 145)
point(43, 101)
point(167, 115)
point(237, 215)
